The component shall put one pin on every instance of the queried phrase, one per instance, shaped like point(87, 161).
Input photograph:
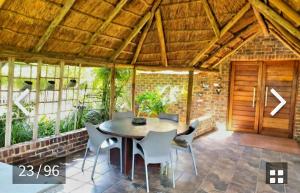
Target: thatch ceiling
point(174, 33)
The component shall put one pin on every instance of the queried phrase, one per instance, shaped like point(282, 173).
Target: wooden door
point(244, 99)
point(278, 77)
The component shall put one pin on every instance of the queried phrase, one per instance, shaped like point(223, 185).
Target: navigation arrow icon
point(21, 97)
point(280, 105)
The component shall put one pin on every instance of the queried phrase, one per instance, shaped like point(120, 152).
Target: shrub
point(93, 117)
point(21, 131)
point(46, 126)
point(150, 103)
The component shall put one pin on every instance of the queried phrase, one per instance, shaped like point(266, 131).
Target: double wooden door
point(262, 97)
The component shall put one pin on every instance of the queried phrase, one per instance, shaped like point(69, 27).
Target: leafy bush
point(93, 117)
point(150, 103)
point(46, 126)
point(21, 131)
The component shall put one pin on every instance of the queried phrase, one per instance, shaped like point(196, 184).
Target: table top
point(124, 128)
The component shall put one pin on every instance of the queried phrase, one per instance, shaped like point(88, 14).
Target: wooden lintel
point(225, 29)
point(211, 17)
point(287, 10)
point(272, 15)
point(234, 50)
point(51, 28)
point(161, 37)
point(261, 22)
point(134, 32)
point(104, 26)
point(145, 32)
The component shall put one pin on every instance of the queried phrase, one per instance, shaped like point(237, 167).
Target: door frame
point(260, 97)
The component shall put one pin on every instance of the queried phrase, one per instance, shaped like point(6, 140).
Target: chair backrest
point(123, 115)
point(189, 134)
point(96, 138)
point(158, 144)
point(169, 116)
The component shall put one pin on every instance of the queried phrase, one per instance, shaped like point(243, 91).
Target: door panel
point(244, 108)
point(280, 76)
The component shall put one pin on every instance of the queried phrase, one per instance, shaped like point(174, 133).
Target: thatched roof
point(174, 33)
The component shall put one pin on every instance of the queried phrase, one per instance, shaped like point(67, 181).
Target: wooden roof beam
point(62, 13)
point(234, 50)
point(2, 3)
point(135, 31)
point(145, 32)
point(161, 37)
point(225, 29)
point(261, 22)
point(211, 17)
point(287, 10)
point(271, 14)
point(103, 27)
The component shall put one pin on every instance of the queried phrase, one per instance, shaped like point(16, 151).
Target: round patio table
point(125, 129)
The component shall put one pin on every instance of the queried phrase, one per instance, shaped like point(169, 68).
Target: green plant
point(21, 131)
point(93, 117)
point(46, 126)
point(150, 103)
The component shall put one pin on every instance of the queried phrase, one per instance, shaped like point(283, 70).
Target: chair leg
point(121, 160)
point(108, 157)
point(95, 163)
point(173, 173)
point(176, 154)
point(194, 161)
point(132, 166)
point(147, 182)
point(84, 158)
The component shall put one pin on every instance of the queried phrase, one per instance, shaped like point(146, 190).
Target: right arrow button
point(280, 105)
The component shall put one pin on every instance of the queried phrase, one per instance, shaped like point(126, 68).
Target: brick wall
point(42, 150)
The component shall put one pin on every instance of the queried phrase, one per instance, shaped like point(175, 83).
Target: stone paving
point(224, 166)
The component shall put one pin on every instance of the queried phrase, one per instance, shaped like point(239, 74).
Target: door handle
point(266, 96)
point(254, 96)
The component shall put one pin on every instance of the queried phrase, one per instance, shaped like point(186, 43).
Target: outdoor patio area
point(223, 166)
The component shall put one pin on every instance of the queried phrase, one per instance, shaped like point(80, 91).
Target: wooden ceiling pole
point(287, 10)
point(261, 22)
point(2, 3)
point(62, 13)
point(211, 17)
point(234, 50)
point(161, 36)
point(135, 31)
point(145, 32)
point(270, 14)
point(103, 27)
point(222, 32)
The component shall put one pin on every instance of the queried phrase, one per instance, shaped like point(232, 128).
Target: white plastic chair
point(154, 148)
point(168, 116)
point(184, 142)
point(100, 141)
point(123, 115)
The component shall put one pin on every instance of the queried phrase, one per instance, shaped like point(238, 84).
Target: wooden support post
point(271, 14)
point(104, 26)
point(133, 90)
point(261, 22)
point(287, 10)
point(112, 91)
point(189, 97)
point(61, 81)
point(8, 123)
point(161, 37)
point(37, 101)
point(62, 13)
point(77, 100)
point(211, 17)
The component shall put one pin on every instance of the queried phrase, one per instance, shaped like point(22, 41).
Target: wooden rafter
point(134, 32)
point(161, 37)
point(62, 13)
point(287, 10)
point(145, 32)
point(271, 14)
point(103, 27)
point(225, 29)
point(211, 17)
point(2, 3)
point(234, 50)
point(261, 22)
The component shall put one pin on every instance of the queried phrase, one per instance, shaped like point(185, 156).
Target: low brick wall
point(206, 124)
point(45, 149)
